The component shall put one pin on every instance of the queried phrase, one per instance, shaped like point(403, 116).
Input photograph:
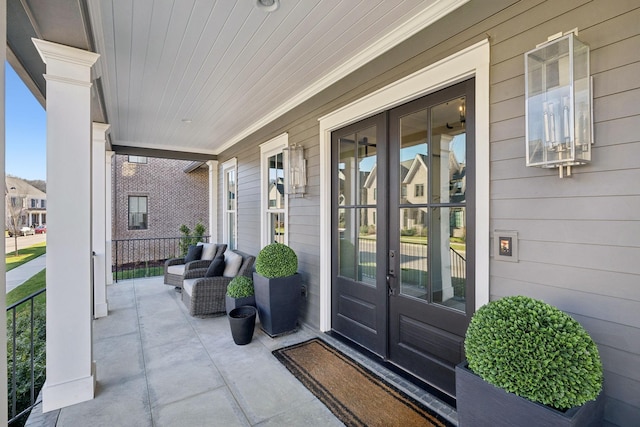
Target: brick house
point(153, 197)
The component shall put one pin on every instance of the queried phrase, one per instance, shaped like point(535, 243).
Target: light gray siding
point(578, 237)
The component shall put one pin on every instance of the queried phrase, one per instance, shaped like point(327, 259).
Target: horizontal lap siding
point(579, 247)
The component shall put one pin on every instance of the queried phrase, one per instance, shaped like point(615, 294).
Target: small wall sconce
point(559, 122)
point(295, 182)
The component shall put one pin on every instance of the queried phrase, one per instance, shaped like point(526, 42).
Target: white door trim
point(470, 62)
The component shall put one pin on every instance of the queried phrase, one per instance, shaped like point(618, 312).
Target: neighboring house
point(153, 197)
point(462, 73)
point(26, 202)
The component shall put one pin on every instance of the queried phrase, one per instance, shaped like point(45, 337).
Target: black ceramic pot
point(242, 321)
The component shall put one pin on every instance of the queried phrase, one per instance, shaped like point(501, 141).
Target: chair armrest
point(195, 273)
point(173, 261)
point(199, 263)
point(210, 285)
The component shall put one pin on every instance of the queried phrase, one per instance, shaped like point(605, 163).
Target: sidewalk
point(19, 275)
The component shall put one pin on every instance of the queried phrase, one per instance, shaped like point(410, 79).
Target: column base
point(101, 309)
point(56, 396)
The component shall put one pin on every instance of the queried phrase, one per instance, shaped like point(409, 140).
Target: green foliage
point(276, 260)
point(534, 350)
point(23, 351)
point(408, 232)
point(188, 239)
point(240, 287)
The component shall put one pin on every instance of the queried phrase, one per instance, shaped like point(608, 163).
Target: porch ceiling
point(198, 76)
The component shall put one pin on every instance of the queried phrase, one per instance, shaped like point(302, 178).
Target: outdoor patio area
point(158, 366)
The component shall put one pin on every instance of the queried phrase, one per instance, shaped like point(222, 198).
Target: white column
point(99, 219)
point(3, 215)
point(108, 259)
point(70, 366)
point(213, 200)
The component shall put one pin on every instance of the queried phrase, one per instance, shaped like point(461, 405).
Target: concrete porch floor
point(158, 366)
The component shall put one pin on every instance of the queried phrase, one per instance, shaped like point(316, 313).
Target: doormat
point(353, 393)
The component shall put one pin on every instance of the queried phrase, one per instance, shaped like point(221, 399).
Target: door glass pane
point(347, 171)
point(448, 256)
point(357, 245)
point(413, 252)
point(413, 158)
point(448, 145)
point(367, 157)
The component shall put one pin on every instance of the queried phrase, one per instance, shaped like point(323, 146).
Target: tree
point(16, 208)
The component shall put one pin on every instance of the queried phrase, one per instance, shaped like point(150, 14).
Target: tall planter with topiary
point(528, 363)
point(277, 289)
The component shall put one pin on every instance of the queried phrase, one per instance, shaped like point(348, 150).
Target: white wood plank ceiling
point(198, 76)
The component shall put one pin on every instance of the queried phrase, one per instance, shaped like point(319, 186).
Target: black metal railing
point(135, 258)
point(26, 336)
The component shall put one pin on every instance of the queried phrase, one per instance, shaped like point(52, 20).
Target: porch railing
point(135, 258)
point(26, 355)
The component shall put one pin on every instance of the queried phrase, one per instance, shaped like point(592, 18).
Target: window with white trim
point(137, 159)
point(230, 208)
point(138, 212)
point(274, 207)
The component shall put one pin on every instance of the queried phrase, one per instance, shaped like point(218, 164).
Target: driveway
point(23, 242)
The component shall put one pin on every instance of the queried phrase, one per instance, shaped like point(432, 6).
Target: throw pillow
point(193, 253)
point(216, 268)
point(208, 251)
point(232, 261)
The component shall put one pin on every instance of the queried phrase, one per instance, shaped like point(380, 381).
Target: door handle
point(389, 287)
point(392, 263)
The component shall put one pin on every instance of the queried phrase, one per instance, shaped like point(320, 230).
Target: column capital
point(65, 61)
point(100, 129)
point(212, 163)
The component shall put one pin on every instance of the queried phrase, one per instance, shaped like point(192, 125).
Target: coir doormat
point(354, 395)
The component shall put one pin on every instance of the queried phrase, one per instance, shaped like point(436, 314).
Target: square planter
point(278, 302)
point(482, 404)
point(231, 303)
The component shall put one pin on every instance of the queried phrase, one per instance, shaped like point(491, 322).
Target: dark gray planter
point(482, 404)
point(242, 321)
point(231, 303)
point(278, 302)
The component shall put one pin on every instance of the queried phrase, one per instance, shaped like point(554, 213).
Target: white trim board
point(470, 62)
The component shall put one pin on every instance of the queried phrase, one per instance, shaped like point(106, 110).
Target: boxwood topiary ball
point(240, 287)
point(276, 260)
point(527, 347)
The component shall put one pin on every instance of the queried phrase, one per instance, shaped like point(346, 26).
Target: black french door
point(403, 215)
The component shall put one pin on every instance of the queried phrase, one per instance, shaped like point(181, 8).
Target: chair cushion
point(216, 268)
point(208, 251)
point(193, 253)
point(177, 269)
point(187, 286)
point(232, 262)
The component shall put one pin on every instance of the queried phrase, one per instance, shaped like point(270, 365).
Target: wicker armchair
point(175, 268)
point(205, 296)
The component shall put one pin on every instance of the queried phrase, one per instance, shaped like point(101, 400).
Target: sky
point(25, 130)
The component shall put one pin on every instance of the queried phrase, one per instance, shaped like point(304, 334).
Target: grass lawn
point(32, 285)
point(25, 255)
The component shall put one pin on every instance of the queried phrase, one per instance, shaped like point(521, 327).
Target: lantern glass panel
point(558, 106)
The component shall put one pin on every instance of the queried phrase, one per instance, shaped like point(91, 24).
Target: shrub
point(529, 348)
point(408, 232)
point(23, 354)
point(276, 260)
point(187, 239)
point(240, 287)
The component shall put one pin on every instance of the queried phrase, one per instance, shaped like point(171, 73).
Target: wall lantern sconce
point(559, 121)
point(295, 183)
